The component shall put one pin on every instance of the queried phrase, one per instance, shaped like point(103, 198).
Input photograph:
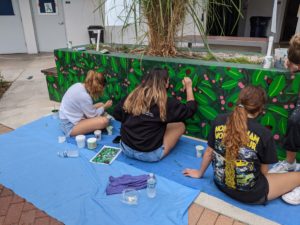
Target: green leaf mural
point(282, 125)
point(193, 128)
point(296, 84)
point(201, 98)
point(208, 112)
point(206, 130)
point(114, 65)
point(276, 86)
point(171, 71)
point(234, 73)
point(206, 83)
point(258, 77)
point(186, 71)
point(269, 121)
point(216, 87)
point(209, 92)
point(279, 110)
point(104, 60)
point(228, 85)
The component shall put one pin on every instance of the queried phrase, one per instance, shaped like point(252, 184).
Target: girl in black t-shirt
point(151, 122)
point(240, 150)
point(292, 138)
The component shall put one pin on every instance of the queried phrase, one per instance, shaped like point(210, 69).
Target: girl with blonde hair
point(152, 122)
point(241, 150)
point(77, 113)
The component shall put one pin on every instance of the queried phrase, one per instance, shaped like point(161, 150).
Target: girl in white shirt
point(77, 113)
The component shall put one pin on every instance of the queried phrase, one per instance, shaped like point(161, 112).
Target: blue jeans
point(152, 156)
point(66, 126)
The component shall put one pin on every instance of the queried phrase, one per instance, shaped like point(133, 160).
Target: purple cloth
point(118, 184)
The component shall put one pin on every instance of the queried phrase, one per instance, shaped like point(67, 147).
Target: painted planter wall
point(216, 85)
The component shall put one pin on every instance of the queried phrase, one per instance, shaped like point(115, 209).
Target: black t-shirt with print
point(145, 132)
point(247, 176)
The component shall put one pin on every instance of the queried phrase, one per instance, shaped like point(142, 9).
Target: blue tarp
point(39, 153)
point(73, 189)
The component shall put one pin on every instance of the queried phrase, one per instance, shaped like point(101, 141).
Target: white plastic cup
point(97, 134)
point(268, 61)
point(109, 130)
point(92, 143)
point(80, 140)
point(279, 57)
point(199, 151)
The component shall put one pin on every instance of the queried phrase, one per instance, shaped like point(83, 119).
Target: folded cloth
point(118, 184)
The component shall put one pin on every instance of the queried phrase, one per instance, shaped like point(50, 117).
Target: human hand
point(291, 66)
point(192, 173)
point(108, 104)
point(187, 82)
point(98, 105)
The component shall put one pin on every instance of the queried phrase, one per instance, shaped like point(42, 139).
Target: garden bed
point(216, 84)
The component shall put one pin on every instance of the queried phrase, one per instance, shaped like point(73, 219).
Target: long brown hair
point(151, 91)
point(294, 49)
point(94, 84)
point(251, 101)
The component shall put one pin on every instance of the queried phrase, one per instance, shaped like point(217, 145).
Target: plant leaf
point(208, 112)
point(276, 86)
point(201, 99)
point(257, 77)
point(228, 85)
point(279, 110)
point(209, 92)
point(282, 126)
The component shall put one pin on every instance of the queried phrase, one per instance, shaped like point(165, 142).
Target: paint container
point(199, 150)
point(69, 44)
point(80, 140)
point(97, 134)
point(280, 57)
point(61, 139)
point(92, 143)
point(109, 130)
point(268, 62)
point(130, 196)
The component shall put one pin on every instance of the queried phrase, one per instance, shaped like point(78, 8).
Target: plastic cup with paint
point(61, 139)
point(97, 134)
point(109, 130)
point(130, 196)
point(199, 151)
point(80, 140)
point(92, 143)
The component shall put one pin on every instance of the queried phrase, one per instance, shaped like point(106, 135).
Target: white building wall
point(28, 27)
point(78, 16)
point(12, 35)
point(115, 34)
point(265, 8)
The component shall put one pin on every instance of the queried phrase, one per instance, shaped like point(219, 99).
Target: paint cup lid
point(97, 132)
point(80, 137)
point(91, 140)
point(199, 147)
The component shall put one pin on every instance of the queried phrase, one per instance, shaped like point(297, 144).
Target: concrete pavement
point(27, 99)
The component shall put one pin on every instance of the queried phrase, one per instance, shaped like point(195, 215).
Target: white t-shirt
point(77, 104)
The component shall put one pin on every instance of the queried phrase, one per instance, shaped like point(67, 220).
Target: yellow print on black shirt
point(254, 139)
point(239, 174)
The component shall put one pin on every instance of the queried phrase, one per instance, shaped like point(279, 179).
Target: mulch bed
point(4, 85)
